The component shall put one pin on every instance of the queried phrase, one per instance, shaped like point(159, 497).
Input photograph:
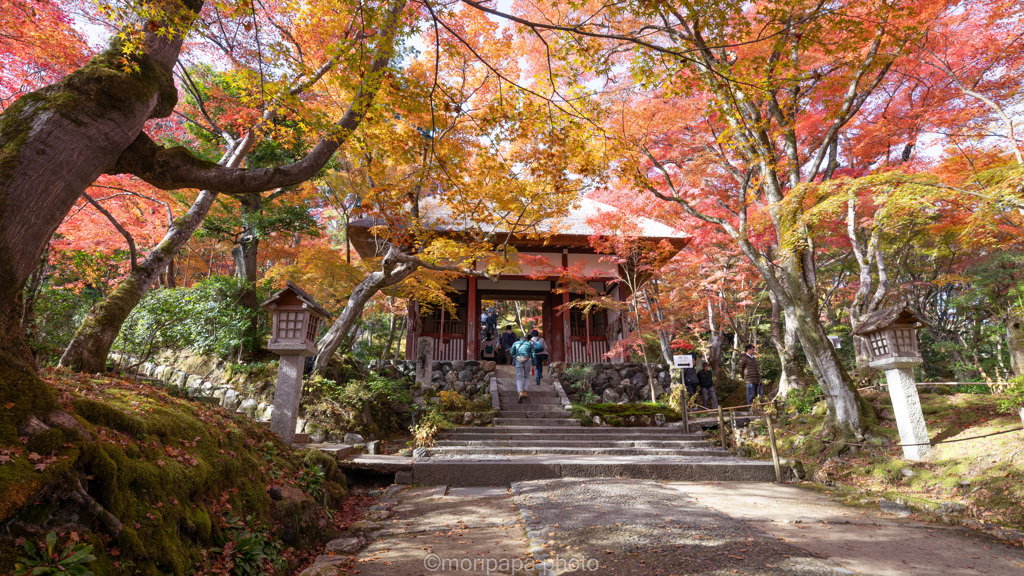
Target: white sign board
point(835, 341)
point(682, 360)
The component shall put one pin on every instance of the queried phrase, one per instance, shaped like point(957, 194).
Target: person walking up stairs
point(523, 356)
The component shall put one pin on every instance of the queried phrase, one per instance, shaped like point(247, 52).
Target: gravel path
point(638, 527)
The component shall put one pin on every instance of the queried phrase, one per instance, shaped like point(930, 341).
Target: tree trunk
point(88, 350)
point(784, 338)
point(246, 256)
point(1015, 343)
point(845, 410)
point(392, 271)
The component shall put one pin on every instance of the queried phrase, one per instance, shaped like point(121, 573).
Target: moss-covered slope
point(163, 485)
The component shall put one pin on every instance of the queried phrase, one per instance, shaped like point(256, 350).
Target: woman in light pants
point(522, 356)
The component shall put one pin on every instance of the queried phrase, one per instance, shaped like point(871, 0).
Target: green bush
point(56, 315)
point(1012, 396)
point(205, 318)
point(802, 400)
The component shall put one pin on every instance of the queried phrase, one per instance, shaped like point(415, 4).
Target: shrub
point(1012, 396)
point(802, 400)
point(205, 318)
point(452, 401)
point(56, 315)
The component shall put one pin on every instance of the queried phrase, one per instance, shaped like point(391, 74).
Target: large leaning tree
point(56, 141)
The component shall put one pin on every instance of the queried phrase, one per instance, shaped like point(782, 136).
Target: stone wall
point(471, 378)
point(616, 382)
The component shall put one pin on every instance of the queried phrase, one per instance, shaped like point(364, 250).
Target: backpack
point(538, 346)
point(489, 349)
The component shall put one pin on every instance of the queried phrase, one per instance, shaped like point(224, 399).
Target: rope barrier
point(1018, 429)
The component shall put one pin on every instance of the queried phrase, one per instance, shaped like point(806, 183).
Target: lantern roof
point(887, 317)
point(292, 295)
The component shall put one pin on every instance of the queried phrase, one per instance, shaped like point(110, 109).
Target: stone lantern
point(297, 319)
point(892, 341)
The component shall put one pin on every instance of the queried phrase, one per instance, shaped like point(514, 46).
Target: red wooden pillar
point(566, 346)
point(473, 322)
point(623, 316)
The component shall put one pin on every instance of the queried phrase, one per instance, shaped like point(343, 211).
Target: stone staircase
point(537, 439)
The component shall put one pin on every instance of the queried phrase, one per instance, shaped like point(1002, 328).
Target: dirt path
point(864, 541)
point(638, 527)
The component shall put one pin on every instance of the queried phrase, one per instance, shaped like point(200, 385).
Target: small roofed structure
point(297, 318)
point(892, 335)
point(553, 244)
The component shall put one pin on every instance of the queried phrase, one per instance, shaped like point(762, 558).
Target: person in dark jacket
point(707, 387)
point(508, 338)
point(751, 373)
point(690, 380)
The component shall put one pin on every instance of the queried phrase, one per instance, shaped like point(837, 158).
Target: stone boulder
point(609, 396)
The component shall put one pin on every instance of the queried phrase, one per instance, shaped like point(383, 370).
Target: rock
point(472, 364)
point(796, 467)
point(451, 377)
point(613, 377)
point(248, 406)
point(886, 414)
point(557, 367)
point(465, 375)
point(625, 373)
point(317, 434)
point(436, 375)
point(363, 526)
point(895, 508)
point(489, 365)
point(231, 399)
point(609, 396)
point(62, 419)
point(460, 386)
point(320, 569)
point(344, 545)
point(435, 365)
point(268, 413)
point(287, 493)
point(659, 419)
point(31, 427)
point(300, 425)
point(458, 365)
point(952, 509)
point(372, 447)
point(907, 472)
point(420, 453)
point(638, 380)
point(353, 438)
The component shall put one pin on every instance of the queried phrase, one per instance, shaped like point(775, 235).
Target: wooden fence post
point(721, 427)
point(775, 449)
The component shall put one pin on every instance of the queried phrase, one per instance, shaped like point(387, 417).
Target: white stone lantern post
point(892, 341)
point(297, 319)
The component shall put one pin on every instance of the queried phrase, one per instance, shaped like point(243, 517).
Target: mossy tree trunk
point(246, 257)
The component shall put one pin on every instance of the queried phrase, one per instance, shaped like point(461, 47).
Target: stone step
point(529, 402)
point(536, 422)
point(539, 443)
point(530, 392)
point(519, 450)
point(494, 470)
point(590, 431)
point(533, 414)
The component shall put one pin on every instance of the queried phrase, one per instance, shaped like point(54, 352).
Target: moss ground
point(183, 479)
point(981, 479)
